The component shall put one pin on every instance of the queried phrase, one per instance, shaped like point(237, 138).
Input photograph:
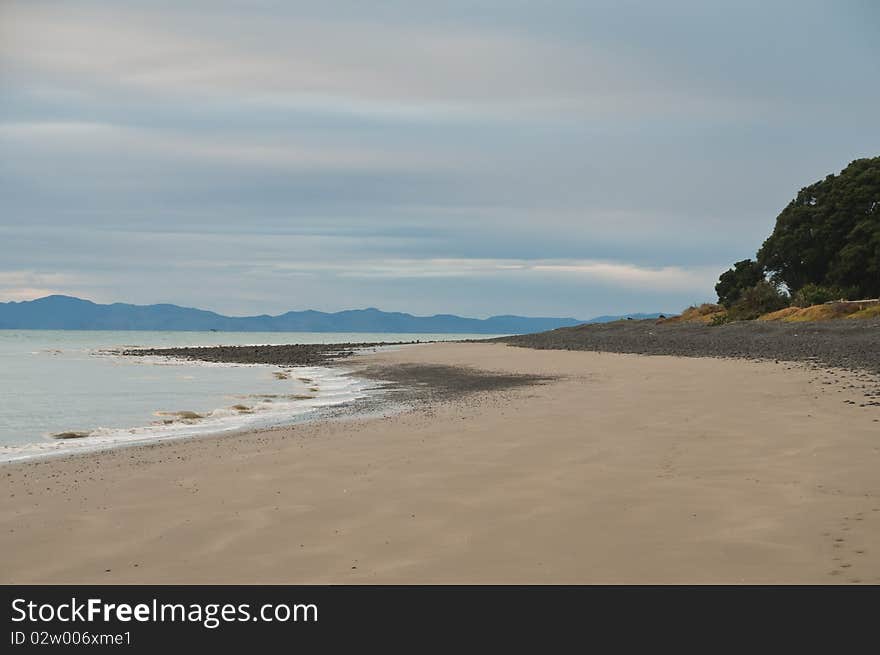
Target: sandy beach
point(613, 468)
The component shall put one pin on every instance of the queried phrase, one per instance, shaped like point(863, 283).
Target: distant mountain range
point(68, 313)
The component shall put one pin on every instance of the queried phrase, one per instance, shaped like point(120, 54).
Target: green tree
point(733, 282)
point(829, 235)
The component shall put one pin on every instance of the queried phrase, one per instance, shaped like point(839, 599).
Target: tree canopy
point(829, 235)
point(733, 282)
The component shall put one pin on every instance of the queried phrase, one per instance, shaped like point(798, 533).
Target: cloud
point(28, 285)
point(668, 278)
point(274, 153)
point(615, 274)
point(481, 156)
point(230, 53)
point(404, 69)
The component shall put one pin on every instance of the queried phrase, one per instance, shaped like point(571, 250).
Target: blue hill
point(68, 313)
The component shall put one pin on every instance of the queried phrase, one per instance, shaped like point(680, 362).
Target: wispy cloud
point(409, 70)
point(279, 153)
point(666, 278)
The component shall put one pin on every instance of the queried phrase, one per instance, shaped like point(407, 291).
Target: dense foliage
point(829, 234)
point(825, 245)
point(733, 282)
point(762, 298)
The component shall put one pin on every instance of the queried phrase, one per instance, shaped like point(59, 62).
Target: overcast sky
point(566, 158)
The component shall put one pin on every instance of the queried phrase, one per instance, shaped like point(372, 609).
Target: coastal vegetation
point(821, 261)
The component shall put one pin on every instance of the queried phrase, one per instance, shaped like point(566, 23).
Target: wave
point(245, 412)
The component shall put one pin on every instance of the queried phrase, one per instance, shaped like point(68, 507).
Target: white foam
point(334, 387)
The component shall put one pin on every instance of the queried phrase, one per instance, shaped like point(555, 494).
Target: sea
point(65, 391)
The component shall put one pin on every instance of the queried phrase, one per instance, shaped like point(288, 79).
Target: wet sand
point(602, 468)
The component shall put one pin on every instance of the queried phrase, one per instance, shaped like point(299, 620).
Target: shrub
point(762, 298)
point(815, 294)
point(720, 318)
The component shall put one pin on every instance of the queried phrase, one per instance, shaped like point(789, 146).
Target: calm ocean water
point(53, 382)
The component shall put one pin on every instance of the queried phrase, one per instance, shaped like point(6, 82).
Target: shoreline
point(264, 411)
point(395, 389)
point(612, 468)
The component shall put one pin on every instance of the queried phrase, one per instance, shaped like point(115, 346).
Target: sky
point(561, 158)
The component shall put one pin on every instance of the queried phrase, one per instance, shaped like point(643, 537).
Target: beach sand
point(625, 469)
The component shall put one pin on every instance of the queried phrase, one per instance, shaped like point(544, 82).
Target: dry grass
point(824, 312)
point(709, 313)
point(872, 311)
point(705, 314)
point(780, 315)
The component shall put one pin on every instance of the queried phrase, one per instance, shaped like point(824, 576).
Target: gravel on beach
point(442, 382)
point(414, 382)
point(846, 344)
point(300, 354)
